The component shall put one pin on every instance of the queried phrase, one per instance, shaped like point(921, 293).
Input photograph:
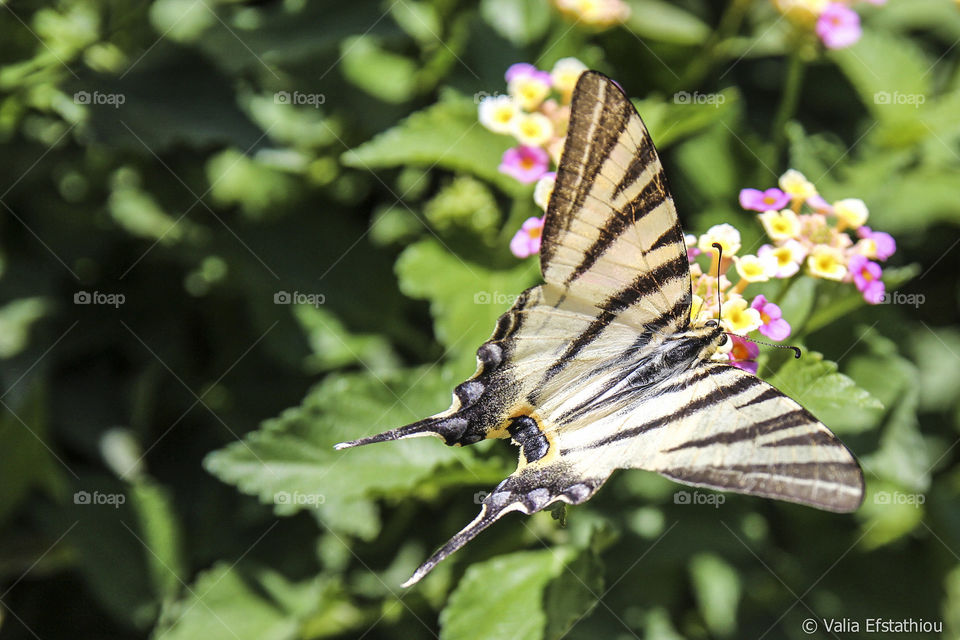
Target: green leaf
point(447, 135)
point(161, 535)
point(717, 589)
point(937, 352)
point(33, 465)
point(684, 113)
point(384, 75)
point(834, 398)
point(890, 73)
point(836, 300)
point(464, 203)
point(334, 346)
point(503, 598)
point(226, 604)
point(16, 318)
point(519, 21)
point(666, 22)
point(797, 301)
point(290, 462)
point(465, 298)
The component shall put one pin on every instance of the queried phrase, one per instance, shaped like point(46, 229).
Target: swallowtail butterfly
point(601, 367)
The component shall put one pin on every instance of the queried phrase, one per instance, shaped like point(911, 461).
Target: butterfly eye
point(711, 323)
point(726, 339)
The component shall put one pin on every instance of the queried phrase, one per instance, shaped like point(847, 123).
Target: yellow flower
point(565, 74)
point(788, 257)
point(756, 268)
point(544, 189)
point(826, 262)
point(497, 113)
point(532, 129)
point(804, 12)
point(739, 318)
point(726, 235)
point(599, 13)
point(794, 183)
point(852, 212)
point(528, 90)
point(781, 225)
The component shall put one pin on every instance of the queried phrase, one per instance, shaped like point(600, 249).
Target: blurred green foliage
point(292, 232)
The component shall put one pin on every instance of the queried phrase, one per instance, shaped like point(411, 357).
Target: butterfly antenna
point(796, 350)
point(719, 248)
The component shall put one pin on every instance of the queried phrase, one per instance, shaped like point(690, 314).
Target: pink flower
point(838, 26)
point(769, 200)
point(525, 69)
point(866, 275)
point(743, 354)
point(818, 204)
point(526, 164)
point(884, 242)
point(526, 242)
point(774, 326)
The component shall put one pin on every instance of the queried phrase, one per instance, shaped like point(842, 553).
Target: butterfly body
point(600, 368)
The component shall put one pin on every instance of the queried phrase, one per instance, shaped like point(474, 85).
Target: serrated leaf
point(832, 397)
point(225, 604)
point(447, 135)
point(465, 298)
point(503, 598)
point(290, 462)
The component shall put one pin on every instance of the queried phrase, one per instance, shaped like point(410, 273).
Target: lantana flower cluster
point(536, 112)
point(834, 21)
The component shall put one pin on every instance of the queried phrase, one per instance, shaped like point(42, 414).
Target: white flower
point(852, 211)
point(544, 189)
point(497, 113)
point(756, 268)
point(725, 235)
point(781, 225)
point(788, 257)
point(532, 129)
point(565, 74)
point(797, 185)
point(529, 90)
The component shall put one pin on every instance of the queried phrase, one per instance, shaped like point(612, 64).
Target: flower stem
point(788, 102)
point(729, 23)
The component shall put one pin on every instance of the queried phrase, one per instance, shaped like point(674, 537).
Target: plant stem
point(788, 102)
point(727, 27)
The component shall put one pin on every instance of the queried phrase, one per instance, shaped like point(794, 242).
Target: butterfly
point(601, 368)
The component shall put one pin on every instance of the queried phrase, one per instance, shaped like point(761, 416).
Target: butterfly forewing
point(599, 368)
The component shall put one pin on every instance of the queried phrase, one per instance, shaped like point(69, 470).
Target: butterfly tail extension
point(527, 491)
point(432, 426)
